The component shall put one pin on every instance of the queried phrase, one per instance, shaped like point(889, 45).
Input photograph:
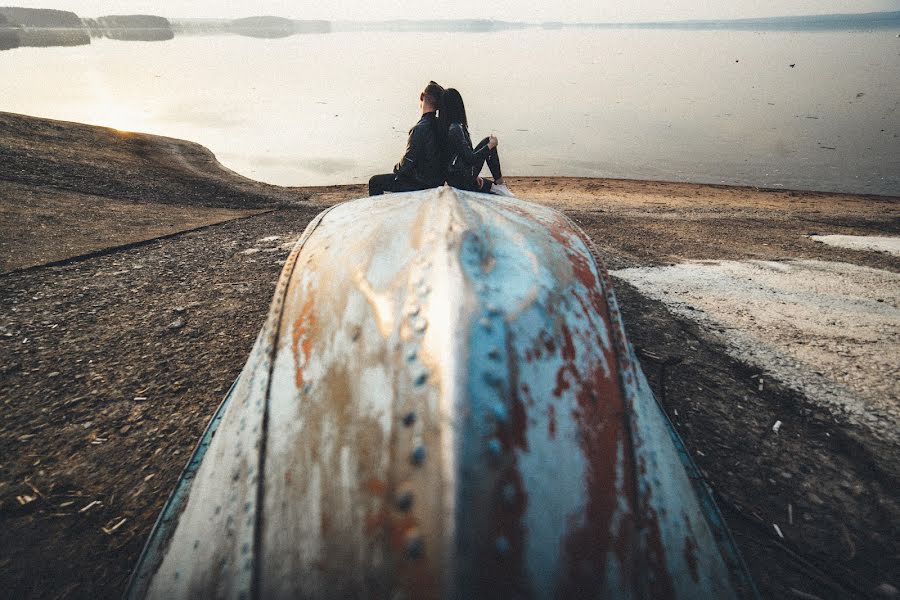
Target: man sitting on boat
point(421, 167)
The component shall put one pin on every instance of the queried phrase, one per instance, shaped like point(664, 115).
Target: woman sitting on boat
point(465, 163)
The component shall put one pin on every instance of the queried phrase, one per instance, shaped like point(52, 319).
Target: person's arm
point(459, 145)
point(404, 168)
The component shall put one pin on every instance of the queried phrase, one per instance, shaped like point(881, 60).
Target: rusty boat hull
point(441, 403)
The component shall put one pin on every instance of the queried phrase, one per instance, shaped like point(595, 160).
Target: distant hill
point(199, 26)
point(41, 17)
point(834, 22)
point(147, 28)
point(46, 27)
point(275, 27)
point(9, 34)
point(264, 27)
point(433, 25)
point(259, 26)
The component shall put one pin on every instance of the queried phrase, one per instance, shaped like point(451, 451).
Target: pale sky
point(508, 10)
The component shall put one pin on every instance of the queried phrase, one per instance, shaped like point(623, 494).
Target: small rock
point(178, 310)
point(177, 324)
point(124, 429)
point(815, 499)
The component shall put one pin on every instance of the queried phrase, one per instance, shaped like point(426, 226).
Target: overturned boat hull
point(442, 403)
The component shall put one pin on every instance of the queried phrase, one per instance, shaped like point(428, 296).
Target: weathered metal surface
point(442, 403)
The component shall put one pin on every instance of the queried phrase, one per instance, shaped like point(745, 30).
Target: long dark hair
point(452, 110)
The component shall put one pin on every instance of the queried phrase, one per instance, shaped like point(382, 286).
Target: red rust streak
point(602, 432)
point(306, 320)
point(568, 355)
point(400, 527)
point(645, 518)
point(376, 486)
point(604, 435)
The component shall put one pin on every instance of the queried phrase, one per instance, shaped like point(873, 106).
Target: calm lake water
point(705, 106)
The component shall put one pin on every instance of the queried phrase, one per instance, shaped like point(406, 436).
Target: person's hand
point(492, 142)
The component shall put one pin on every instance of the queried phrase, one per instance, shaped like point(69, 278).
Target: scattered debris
point(90, 506)
point(110, 528)
point(26, 499)
point(34, 489)
point(776, 426)
point(778, 530)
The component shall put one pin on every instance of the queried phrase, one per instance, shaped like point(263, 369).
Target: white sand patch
point(830, 330)
point(861, 242)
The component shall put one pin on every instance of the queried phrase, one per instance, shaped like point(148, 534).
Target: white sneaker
point(501, 190)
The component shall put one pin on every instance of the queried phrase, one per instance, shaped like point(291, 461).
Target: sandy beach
point(136, 271)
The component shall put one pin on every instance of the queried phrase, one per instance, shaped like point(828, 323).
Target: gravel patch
point(827, 329)
point(861, 242)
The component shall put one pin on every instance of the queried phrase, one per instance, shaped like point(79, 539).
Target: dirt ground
point(112, 363)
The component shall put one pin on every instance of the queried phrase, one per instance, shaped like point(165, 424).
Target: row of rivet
point(403, 500)
point(500, 414)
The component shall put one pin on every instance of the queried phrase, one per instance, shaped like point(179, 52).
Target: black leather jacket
point(462, 160)
point(422, 162)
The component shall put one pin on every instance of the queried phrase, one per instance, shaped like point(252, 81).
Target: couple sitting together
point(439, 149)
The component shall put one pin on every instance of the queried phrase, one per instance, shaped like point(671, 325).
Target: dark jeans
point(493, 163)
point(388, 182)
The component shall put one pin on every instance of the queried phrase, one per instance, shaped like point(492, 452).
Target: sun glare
point(121, 118)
